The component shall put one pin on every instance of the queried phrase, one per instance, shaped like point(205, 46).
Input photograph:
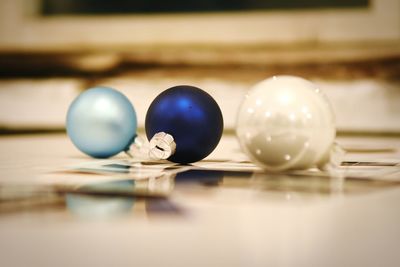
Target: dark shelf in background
point(107, 7)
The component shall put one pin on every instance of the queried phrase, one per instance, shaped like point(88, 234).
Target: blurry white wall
point(251, 39)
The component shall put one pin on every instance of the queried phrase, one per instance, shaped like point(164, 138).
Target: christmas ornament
point(184, 124)
point(286, 122)
point(101, 122)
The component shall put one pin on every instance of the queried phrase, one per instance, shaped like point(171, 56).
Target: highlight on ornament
point(285, 123)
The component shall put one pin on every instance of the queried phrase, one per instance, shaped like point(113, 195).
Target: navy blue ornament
point(101, 122)
point(191, 116)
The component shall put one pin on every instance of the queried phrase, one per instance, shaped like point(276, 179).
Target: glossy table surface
point(213, 218)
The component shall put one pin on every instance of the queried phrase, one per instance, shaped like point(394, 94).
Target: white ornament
point(286, 122)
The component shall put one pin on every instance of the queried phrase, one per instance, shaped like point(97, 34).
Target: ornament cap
point(162, 146)
point(332, 160)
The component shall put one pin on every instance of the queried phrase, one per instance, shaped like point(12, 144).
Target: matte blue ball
point(101, 122)
point(191, 116)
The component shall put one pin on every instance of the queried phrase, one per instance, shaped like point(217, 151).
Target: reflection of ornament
point(188, 123)
point(96, 207)
point(200, 177)
point(285, 122)
point(101, 122)
point(102, 206)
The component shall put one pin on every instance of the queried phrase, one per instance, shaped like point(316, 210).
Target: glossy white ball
point(286, 122)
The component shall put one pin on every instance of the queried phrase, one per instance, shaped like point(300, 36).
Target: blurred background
point(50, 50)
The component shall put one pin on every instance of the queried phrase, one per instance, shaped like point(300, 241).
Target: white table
point(223, 225)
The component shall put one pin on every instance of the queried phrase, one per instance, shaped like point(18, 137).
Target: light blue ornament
point(101, 122)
